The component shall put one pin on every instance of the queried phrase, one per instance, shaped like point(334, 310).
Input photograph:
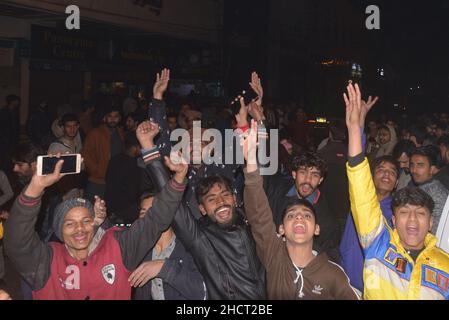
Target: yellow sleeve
point(365, 207)
point(1, 231)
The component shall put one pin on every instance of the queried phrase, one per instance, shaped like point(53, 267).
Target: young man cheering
point(403, 262)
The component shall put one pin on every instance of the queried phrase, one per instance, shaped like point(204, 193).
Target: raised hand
point(256, 85)
point(100, 211)
point(146, 131)
point(353, 103)
point(242, 116)
point(256, 111)
point(249, 143)
point(161, 83)
point(145, 272)
point(39, 183)
point(178, 165)
point(354, 117)
point(366, 107)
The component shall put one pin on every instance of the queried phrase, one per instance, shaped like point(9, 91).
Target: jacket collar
point(313, 198)
point(430, 242)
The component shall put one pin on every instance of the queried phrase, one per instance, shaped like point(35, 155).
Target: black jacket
point(226, 258)
point(277, 188)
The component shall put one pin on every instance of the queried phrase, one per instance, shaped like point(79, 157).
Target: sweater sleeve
point(136, 241)
point(30, 256)
point(342, 288)
point(260, 217)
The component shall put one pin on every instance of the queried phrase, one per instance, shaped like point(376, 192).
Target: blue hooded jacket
point(351, 251)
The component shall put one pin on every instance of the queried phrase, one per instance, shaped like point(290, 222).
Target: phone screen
point(49, 163)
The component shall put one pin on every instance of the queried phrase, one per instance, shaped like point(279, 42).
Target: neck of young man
point(78, 254)
point(382, 195)
point(68, 140)
point(300, 254)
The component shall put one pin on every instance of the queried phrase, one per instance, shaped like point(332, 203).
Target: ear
point(281, 230)
point(431, 222)
point(294, 175)
point(321, 180)
point(393, 219)
point(202, 209)
point(317, 230)
point(433, 170)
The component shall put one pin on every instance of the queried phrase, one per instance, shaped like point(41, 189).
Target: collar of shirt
point(313, 198)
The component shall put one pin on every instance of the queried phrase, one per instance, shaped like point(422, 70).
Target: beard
point(227, 224)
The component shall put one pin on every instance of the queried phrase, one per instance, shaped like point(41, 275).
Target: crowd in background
point(165, 230)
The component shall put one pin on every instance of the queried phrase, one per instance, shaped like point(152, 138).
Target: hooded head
point(73, 223)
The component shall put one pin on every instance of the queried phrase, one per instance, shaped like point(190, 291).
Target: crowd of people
point(354, 216)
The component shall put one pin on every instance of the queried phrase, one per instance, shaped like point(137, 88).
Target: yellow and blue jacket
point(389, 271)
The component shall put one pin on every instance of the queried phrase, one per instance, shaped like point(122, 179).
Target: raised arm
point(257, 207)
point(30, 256)
point(184, 224)
point(136, 241)
point(364, 204)
point(157, 112)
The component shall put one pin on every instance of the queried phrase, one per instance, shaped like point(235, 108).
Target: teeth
point(300, 225)
point(221, 210)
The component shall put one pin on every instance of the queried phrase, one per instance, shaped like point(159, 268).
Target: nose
point(308, 177)
point(79, 226)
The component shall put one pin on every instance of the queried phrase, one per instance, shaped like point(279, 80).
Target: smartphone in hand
point(46, 164)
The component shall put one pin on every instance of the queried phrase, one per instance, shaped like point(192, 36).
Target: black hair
point(431, 152)
point(310, 159)
point(69, 117)
point(11, 98)
point(444, 140)
point(206, 184)
point(26, 152)
point(414, 196)
point(419, 132)
point(386, 158)
point(403, 146)
point(135, 116)
point(291, 202)
point(384, 127)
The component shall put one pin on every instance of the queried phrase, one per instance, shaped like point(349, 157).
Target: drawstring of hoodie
point(299, 275)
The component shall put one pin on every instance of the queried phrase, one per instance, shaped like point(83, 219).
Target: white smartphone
point(46, 164)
